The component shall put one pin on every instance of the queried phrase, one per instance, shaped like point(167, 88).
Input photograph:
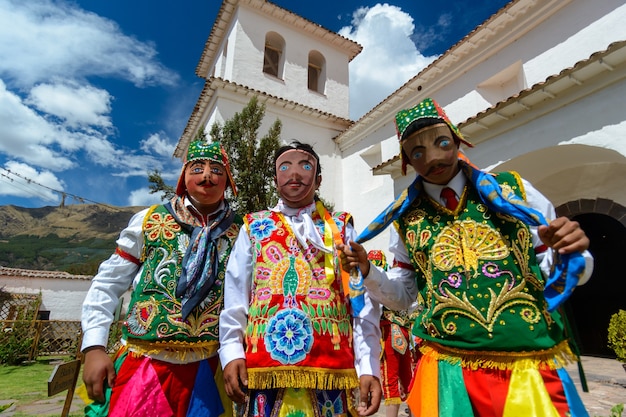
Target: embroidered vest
point(480, 285)
point(299, 331)
point(399, 325)
point(154, 323)
point(401, 318)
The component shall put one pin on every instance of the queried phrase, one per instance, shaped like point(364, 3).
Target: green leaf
point(316, 326)
point(272, 311)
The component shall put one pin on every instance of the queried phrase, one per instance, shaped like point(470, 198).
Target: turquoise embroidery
point(289, 336)
point(262, 228)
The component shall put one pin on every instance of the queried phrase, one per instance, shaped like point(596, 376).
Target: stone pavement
point(606, 380)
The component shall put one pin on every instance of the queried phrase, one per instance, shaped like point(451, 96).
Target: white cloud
point(29, 137)
point(142, 197)
point(39, 141)
point(389, 57)
point(41, 39)
point(22, 180)
point(78, 105)
point(51, 117)
point(103, 153)
point(158, 144)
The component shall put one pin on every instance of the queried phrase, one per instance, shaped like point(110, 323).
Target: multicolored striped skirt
point(456, 383)
point(146, 387)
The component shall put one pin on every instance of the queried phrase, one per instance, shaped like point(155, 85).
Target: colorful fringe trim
point(173, 351)
point(302, 377)
point(554, 358)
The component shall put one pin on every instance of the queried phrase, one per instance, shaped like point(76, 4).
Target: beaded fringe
point(311, 378)
point(554, 358)
point(174, 351)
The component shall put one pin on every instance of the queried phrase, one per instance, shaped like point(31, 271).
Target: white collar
point(457, 183)
point(189, 204)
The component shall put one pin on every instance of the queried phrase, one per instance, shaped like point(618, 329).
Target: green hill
point(74, 238)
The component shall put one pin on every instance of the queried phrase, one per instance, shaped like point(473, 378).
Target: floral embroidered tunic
point(149, 256)
point(154, 316)
point(479, 278)
point(475, 272)
point(285, 311)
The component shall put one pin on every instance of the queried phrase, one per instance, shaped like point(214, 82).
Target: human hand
point(236, 380)
point(370, 395)
point(98, 367)
point(564, 235)
point(353, 256)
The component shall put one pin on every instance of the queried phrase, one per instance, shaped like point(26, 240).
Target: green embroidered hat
point(208, 151)
point(427, 113)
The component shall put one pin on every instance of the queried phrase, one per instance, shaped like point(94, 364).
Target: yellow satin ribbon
point(332, 235)
point(527, 395)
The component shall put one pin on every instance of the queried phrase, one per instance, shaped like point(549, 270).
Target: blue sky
point(94, 94)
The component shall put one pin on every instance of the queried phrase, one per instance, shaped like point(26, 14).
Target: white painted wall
point(62, 297)
point(246, 50)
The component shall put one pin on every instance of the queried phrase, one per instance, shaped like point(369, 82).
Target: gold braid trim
point(173, 350)
point(554, 358)
point(302, 377)
point(393, 401)
point(520, 184)
point(143, 255)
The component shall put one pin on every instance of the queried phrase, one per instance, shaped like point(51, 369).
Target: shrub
point(617, 410)
point(17, 335)
point(17, 343)
point(617, 335)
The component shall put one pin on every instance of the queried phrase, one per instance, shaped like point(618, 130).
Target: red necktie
point(449, 196)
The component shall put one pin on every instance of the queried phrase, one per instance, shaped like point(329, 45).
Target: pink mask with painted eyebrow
point(296, 177)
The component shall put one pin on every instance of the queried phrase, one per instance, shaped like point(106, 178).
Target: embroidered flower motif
point(161, 226)
point(289, 336)
point(262, 228)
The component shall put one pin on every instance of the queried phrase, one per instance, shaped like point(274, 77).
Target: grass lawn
point(27, 385)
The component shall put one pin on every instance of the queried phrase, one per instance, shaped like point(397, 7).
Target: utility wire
point(30, 181)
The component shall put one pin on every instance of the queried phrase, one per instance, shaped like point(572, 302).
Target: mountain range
point(72, 238)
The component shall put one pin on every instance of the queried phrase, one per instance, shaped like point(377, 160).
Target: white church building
point(538, 88)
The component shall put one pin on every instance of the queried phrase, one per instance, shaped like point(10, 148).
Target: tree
point(251, 160)
point(158, 185)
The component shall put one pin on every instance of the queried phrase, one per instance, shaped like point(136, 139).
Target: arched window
point(273, 58)
point(317, 72)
